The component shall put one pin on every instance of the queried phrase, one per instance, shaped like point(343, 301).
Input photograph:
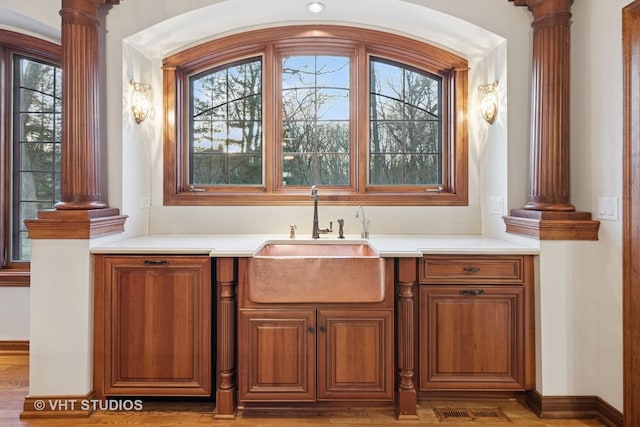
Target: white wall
point(404, 17)
point(61, 331)
point(596, 171)
point(14, 313)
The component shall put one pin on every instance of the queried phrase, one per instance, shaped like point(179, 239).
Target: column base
point(552, 225)
point(226, 405)
point(407, 405)
point(75, 224)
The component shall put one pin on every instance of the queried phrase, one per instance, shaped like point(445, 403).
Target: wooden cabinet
point(152, 325)
point(309, 355)
point(314, 351)
point(355, 354)
point(277, 354)
point(476, 323)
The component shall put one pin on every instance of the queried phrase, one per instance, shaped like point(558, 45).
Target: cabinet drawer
point(447, 269)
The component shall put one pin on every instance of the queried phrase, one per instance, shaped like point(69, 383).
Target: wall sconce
point(140, 101)
point(488, 101)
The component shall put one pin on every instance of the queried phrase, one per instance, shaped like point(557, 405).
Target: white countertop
point(245, 245)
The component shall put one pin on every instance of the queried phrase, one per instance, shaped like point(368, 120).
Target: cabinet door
point(471, 337)
point(355, 354)
point(157, 326)
point(277, 355)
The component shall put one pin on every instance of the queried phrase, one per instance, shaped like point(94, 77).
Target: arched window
point(369, 117)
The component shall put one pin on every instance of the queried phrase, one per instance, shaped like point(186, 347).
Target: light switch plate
point(607, 208)
point(145, 202)
point(495, 205)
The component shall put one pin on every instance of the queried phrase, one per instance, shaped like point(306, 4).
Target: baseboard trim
point(574, 407)
point(14, 347)
point(57, 406)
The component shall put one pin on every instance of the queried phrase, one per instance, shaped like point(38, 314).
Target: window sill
point(15, 278)
point(207, 198)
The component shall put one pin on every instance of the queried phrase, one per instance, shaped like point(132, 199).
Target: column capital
point(547, 12)
point(82, 12)
point(539, 7)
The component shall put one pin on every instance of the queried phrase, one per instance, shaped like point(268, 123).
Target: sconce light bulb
point(488, 101)
point(140, 103)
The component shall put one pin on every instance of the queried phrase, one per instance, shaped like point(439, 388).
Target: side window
point(406, 125)
point(226, 125)
point(37, 101)
point(30, 141)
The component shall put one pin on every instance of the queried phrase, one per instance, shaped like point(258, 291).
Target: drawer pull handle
point(471, 269)
point(156, 261)
point(474, 292)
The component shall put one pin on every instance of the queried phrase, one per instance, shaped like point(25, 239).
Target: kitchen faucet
point(315, 234)
point(364, 233)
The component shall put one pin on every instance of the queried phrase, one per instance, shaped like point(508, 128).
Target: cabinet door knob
point(472, 292)
point(323, 329)
point(310, 329)
point(156, 261)
point(471, 269)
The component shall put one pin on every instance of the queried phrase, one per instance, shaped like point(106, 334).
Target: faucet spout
point(316, 230)
point(364, 233)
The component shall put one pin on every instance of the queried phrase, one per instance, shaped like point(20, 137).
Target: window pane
point(315, 128)
point(226, 125)
point(298, 137)
point(332, 137)
point(334, 169)
point(405, 125)
point(36, 146)
point(298, 169)
point(39, 157)
point(208, 168)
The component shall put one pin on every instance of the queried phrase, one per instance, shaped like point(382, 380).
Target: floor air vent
point(471, 414)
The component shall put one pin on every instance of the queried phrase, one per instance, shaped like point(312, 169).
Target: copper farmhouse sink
point(316, 273)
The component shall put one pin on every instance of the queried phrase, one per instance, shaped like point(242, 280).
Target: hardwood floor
point(14, 377)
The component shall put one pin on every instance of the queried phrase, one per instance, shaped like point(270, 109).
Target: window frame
point(269, 44)
point(14, 273)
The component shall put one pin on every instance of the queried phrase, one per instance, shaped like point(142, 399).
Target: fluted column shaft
point(226, 392)
point(80, 173)
point(550, 182)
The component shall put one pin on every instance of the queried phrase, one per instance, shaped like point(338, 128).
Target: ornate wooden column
point(226, 392)
point(549, 213)
point(406, 395)
point(80, 213)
